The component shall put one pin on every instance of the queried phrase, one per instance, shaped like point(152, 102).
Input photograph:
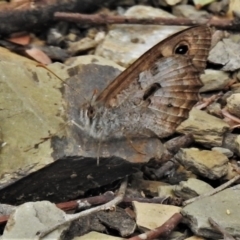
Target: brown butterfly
point(152, 96)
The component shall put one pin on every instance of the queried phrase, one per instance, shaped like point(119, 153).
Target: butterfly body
point(155, 94)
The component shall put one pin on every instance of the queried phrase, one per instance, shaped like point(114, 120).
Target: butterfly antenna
point(94, 96)
point(43, 66)
point(98, 151)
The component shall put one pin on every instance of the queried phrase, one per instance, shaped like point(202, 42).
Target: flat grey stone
point(191, 188)
point(224, 53)
point(223, 208)
point(189, 11)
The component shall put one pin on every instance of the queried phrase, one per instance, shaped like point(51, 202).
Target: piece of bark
point(66, 179)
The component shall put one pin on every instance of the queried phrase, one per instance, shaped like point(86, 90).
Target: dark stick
point(163, 230)
point(100, 19)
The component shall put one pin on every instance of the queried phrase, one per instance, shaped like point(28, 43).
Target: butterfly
point(154, 94)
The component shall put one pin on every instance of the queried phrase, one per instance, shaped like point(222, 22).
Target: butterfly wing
point(194, 41)
point(171, 89)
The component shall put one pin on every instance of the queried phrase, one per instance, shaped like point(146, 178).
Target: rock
point(223, 208)
point(206, 129)
point(146, 186)
point(194, 238)
point(33, 217)
point(233, 104)
point(125, 43)
point(228, 153)
point(6, 209)
point(176, 235)
point(72, 37)
point(232, 142)
point(219, 7)
point(87, 59)
point(169, 2)
point(233, 5)
point(191, 188)
point(81, 45)
point(214, 80)
point(96, 235)
point(231, 170)
point(141, 11)
point(166, 191)
point(224, 53)
point(217, 36)
point(215, 109)
point(27, 111)
point(201, 3)
point(209, 164)
point(150, 215)
point(189, 11)
point(118, 220)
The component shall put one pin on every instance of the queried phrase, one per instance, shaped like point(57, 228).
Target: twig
point(163, 230)
point(110, 205)
point(96, 200)
point(207, 101)
point(214, 191)
point(230, 116)
point(220, 229)
point(166, 167)
point(86, 202)
point(100, 19)
point(101, 199)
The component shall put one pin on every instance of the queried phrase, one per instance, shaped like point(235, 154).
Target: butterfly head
point(91, 119)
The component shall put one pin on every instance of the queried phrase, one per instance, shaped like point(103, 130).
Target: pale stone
point(88, 59)
point(233, 104)
point(192, 188)
point(214, 80)
point(166, 191)
point(209, 164)
point(206, 129)
point(147, 185)
point(232, 142)
point(172, 2)
point(33, 217)
point(201, 3)
point(228, 153)
point(97, 236)
point(189, 11)
point(233, 5)
point(194, 238)
point(82, 45)
point(150, 215)
point(125, 43)
point(224, 53)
